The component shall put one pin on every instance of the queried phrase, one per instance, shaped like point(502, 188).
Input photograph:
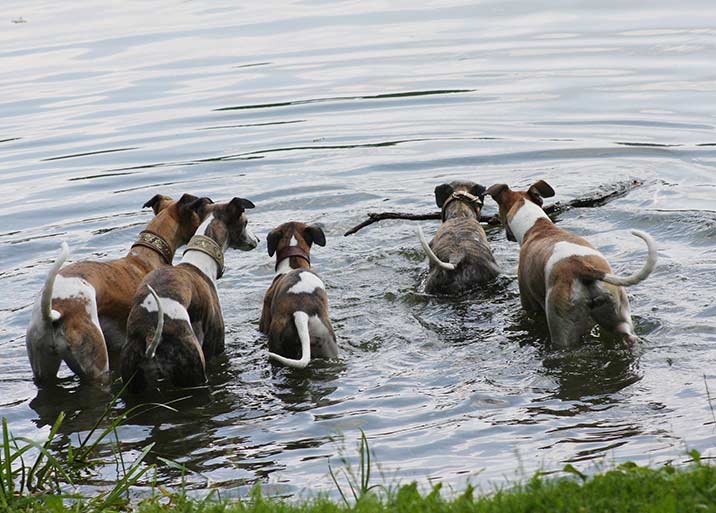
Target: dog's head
point(510, 201)
point(296, 234)
point(470, 195)
point(177, 221)
point(234, 222)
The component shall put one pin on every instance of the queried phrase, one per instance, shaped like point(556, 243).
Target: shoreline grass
point(41, 484)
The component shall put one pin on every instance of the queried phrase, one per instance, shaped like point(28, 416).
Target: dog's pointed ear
point(201, 206)
point(496, 191)
point(539, 190)
point(238, 205)
point(442, 193)
point(313, 234)
point(158, 202)
point(478, 190)
point(272, 240)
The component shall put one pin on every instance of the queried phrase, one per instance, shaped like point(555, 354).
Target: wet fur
point(277, 316)
point(461, 241)
point(73, 336)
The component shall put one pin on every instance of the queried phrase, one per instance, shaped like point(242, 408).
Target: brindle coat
point(184, 347)
point(74, 337)
point(460, 240)
point(277, 319)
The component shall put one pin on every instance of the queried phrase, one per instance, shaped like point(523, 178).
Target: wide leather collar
point(157, 243)
point(208, 246)
point(291, 251)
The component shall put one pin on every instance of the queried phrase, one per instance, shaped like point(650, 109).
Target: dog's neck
point(290, 258)
point(457, 208)
point(524, 219)
point(215, 230)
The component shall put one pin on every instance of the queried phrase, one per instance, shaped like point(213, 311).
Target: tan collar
point(157, 243)
point(472, 201)
point(208, 246)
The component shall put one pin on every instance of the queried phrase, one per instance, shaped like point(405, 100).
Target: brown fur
point(114, 283)
point(574, 297)
point(277, 319)
point(184, 348)
point(460, 240)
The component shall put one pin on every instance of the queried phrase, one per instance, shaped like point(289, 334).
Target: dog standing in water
point(177, 348)
point(460, 256)
point(82, 310)
point(562, 274)
point(295, 310)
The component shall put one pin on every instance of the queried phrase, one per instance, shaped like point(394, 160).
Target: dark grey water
point(321, 112)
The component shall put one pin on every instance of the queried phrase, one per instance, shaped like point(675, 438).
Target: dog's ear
point(158, 203)
point(313, 234)
point(238, 205)
point(272, 240)
point(442, 193)
point(539, 190)
point(478, 190)
point(497, 190)
point(200, 206)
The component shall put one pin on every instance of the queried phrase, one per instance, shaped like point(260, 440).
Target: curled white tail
point(429, 251)
point(46, 299)
point(645, 271)
point(152, 348)
point(301, 321)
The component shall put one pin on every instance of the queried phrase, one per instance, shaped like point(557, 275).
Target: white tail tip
point(428, 250)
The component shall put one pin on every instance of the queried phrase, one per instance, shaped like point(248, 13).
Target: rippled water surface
point(322, 112)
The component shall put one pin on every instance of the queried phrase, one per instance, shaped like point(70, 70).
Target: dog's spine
point(152, 348)
point(644, 272)
point(301, 321)
point(46, 299)
point(431, 255)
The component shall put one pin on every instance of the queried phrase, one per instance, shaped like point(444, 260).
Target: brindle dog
point(460, 256)
point(295, 311)
point(176, 349)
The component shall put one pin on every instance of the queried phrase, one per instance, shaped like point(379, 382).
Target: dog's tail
point(301, 321)
point(48, 314)
point(152, 347)
point(431, 255)
point(644, 272)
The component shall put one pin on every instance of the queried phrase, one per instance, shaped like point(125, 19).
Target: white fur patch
point(563, 250)
point(284, 266)
point(205, 225)
point(525, 218)
point(308, 283)
point(201, 261)
point(293, 241)
point(172, 308)
point(72, 287)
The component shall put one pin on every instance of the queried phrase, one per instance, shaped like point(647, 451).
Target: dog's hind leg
point(567, 311)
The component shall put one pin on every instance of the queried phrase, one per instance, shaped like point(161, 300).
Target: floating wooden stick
point(604, 196)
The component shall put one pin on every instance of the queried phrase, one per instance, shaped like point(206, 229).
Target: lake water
point(321, 112)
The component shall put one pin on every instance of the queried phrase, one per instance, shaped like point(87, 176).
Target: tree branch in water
point(602, 197)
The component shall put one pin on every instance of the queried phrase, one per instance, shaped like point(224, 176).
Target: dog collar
point(291, 251)
point(473, 201)
point(156, 242)
point(208, 246)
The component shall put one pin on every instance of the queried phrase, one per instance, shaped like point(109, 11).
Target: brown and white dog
point(83, 307)
point(562, 274)
point(176, 323)
point(295, 310)
point(460, 256)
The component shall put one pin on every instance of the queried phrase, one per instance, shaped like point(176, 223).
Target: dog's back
point(460, 241)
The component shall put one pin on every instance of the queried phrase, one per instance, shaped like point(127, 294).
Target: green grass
point(33, 478)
